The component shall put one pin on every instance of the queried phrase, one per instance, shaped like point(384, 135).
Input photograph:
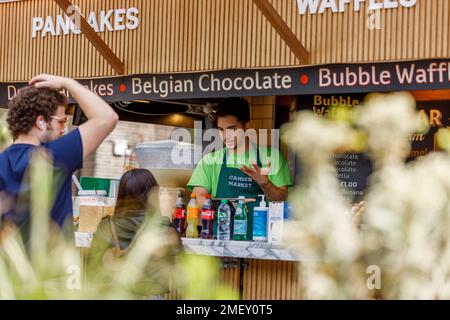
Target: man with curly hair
point(36, 119)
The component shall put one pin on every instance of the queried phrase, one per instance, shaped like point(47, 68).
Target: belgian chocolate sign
point(322, 79)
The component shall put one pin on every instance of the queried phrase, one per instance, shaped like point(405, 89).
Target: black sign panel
point(321, 79)
point(438, 115)
point(353, 170)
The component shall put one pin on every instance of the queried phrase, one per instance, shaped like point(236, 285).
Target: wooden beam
point(283, 30)
point(95, 39)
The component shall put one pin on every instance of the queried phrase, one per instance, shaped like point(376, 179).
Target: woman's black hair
point(134, 190)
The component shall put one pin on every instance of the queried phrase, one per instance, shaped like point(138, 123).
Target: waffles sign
point(105, 20)
point(322, 6)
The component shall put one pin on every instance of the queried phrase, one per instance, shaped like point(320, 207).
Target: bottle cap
point(193, 195)
point(208, 196)
point(224, 201)
point(241, 198)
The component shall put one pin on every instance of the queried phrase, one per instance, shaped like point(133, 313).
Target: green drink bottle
point(240, 221)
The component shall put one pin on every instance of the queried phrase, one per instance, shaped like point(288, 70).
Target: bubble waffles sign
point(69, 22)
point(318, 79)
point(336, 6)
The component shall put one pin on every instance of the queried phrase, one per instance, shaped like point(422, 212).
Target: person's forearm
point(91, 104)
point(102, 119)
point(273, 192)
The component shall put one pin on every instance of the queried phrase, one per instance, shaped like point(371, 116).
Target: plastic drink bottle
point(179, 215)
point(192, 218)
point(260, 215)
point(240, 221)
point(224, 221)
point(207, 218)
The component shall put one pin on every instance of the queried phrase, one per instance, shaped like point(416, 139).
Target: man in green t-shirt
point(241, 168)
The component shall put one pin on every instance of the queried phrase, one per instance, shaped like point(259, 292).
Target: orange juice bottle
point(192, 217)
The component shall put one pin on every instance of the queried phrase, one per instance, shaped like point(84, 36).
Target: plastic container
point(113, 188)
point(275, 222)
point(207, 218)
point(240, 221)
point(260, 220)
point(192, 218)
point(224, 221)
point(166, 154)
point(171, 162)
point(89, 198)
point(179, 215)
point(288, 213)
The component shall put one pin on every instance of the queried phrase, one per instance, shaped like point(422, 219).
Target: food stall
point(170, 61)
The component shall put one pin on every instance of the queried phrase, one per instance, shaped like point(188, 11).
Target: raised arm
point(101, 117)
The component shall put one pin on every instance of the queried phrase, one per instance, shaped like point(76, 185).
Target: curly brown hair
point(28, 104)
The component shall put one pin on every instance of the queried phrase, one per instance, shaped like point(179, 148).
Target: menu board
point(354, 169)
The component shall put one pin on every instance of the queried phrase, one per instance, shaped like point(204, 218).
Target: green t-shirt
point(206, 173)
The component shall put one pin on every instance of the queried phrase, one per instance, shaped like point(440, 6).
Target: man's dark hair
point(30, 103)
point(237, 107)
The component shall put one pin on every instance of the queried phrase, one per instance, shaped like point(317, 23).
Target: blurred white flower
point(406, 215)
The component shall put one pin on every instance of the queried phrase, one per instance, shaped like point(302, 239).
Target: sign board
point(353, 170)
point(320, 79)
point(68, 23)
point(340, 6)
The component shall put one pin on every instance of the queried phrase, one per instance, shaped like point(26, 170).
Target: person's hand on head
point(48, 81)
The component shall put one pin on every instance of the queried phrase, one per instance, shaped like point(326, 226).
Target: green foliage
point(51, 267)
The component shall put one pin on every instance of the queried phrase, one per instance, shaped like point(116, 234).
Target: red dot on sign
point(123, 88)
point(304, 79)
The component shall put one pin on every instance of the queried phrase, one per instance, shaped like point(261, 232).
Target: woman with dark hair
point(136, 198)
point(137, 201)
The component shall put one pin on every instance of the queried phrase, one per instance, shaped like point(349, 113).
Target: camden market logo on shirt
point(240, 182)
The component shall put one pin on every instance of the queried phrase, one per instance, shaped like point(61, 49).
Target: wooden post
point(95, 39)
point(283, 30)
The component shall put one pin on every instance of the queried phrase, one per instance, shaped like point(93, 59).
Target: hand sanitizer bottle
point(260, 220)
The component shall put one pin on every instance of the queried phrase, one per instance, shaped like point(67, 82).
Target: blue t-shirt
point(67, 153)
